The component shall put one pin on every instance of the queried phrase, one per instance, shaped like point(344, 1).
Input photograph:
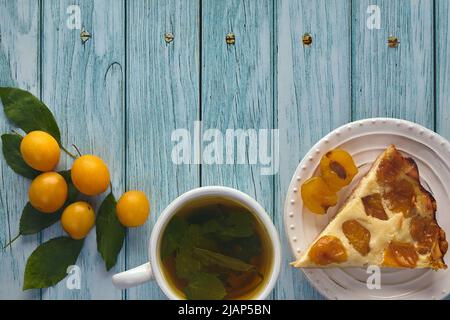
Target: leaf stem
point(76, 148)
point(16, 133)
point(11, 241)
point(68, 152)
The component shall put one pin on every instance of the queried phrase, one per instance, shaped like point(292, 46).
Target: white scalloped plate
point(365, 140)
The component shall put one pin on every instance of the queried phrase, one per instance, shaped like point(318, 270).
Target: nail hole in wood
point(307, 40)
point(393, 42)
point(230, 38)
point(84, 36)
point(168, 37)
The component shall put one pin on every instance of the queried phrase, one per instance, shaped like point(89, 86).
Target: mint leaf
point(110, 232)
point(186, 264)
point(212, 226)
point(205, 286)
point(208, 257)
point(173, 234)
point(48, 264)
point(243, 248)
point(13, 157)
point(238, 224)
point(28, 112)
point(193, 237)
point(205, 214)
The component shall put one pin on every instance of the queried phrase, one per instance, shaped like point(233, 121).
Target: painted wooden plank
point(394, 82)
point(237, 90)
point(162, 95)
point(442, 43)
point(313, 98)
point(84, 86)
point(442, 68)
point(19, 67)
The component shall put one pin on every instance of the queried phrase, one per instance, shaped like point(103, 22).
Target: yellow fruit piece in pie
point(389, 220)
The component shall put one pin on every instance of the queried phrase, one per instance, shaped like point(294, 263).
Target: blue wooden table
point(122, 93)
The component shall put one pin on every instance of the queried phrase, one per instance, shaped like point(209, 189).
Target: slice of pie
point(389, 220)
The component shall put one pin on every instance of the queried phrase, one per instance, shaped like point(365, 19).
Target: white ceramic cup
point(152, 270)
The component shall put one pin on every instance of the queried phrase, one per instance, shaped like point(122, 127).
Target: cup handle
point(133, 277)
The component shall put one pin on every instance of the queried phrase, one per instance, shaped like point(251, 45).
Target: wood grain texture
point(237, 88)
point(313, 97)
point(442, 68)
point(19, 67)
point(84, 86)
point(123, 93)
point(162, 95)
point(442, 43)
point(394, 82)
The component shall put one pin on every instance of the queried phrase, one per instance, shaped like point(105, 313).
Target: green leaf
point(193, 237)
point(205, 214)
point(28, 112)
point(238, 224)
point(48, 264)
point(33, 221)
point(172, 237)
point(208, 257)
point(212, 227)
point(110, 232)
point(13, 157)
point(72, 192)
point(205, 286)
point(231, 225)
point(186, 264)
point(243, 248)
